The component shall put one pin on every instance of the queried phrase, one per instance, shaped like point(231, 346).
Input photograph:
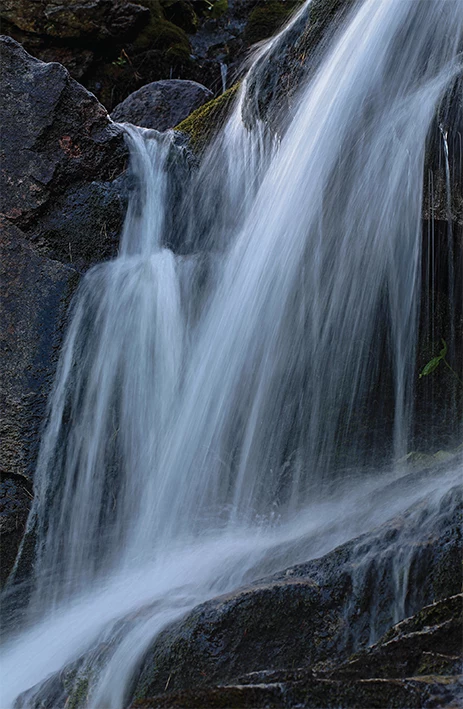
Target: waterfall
point(209, 402)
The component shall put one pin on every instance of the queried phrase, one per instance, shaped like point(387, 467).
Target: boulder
point(162, 104)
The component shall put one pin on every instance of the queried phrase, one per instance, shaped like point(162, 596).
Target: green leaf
point(430, 366)
point(443, 351)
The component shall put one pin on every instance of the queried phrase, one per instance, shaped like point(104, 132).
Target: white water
point(200, 423)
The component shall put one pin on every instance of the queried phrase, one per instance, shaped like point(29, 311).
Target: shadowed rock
point(35, 292)
point(89, 19)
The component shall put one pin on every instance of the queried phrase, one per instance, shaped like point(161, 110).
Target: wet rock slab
point(374, 678)
point(316, 615)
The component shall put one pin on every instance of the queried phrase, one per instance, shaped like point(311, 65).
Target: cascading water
point(206, 403)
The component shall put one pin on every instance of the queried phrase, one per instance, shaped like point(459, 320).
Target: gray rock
point(162, 104)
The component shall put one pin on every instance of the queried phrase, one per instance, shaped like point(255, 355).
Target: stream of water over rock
point(214, 404)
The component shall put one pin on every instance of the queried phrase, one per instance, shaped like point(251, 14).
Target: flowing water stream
point(249, 392)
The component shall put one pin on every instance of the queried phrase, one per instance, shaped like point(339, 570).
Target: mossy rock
point(266, 19)
point(219, 7)
point(161, 34)
point(203, 124)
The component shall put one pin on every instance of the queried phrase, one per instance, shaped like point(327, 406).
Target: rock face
point(62, 207)
point(162, 104)
point(56, 137)
point(34, 294)
point(316, 615)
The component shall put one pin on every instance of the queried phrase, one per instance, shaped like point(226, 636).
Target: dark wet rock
point(35, 292)
point(444, 150)
point(83, 226)
point(272, 90)
point(15, 500)
point(162, 104)
point(315, 614)
point(428, 643)
point(95, 19)
point(396, 672)
point(287, 640)
point(318, 694)
point(66, 142)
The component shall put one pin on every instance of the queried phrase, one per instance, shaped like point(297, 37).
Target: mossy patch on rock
point(203, 124)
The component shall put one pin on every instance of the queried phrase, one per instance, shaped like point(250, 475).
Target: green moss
point(266, 20)
point(162, 35)
point(79, 694)
point(219, 7)
point(203, 124)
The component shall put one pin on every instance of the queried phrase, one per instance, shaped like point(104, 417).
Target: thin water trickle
point(223, 75)
point(208, 402)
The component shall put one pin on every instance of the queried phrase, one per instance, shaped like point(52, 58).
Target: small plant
point(120, 61)
point(435, 361)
